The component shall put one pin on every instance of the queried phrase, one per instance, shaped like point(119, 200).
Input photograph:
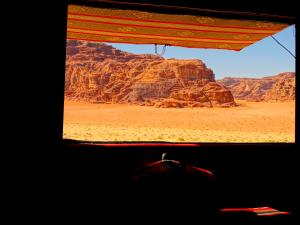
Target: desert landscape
point(112, 95)
point(248, 122)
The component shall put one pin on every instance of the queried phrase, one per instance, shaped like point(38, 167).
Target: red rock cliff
point(279, 88)
point(98, 72)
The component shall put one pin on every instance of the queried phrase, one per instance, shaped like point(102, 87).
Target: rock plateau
point(99, 73)
point(273, 88)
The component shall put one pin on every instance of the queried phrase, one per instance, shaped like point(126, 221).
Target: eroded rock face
point(97, 72)
point(279, 88)
point(283, 89)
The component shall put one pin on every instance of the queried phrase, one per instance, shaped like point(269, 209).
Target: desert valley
point(111, 95)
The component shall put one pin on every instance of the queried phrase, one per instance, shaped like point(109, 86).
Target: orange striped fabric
point(137, 27)
point(259, 211)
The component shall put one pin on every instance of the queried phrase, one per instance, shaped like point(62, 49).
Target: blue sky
point(264, 58)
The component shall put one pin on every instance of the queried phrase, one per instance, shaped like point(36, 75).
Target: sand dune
point(249, 122)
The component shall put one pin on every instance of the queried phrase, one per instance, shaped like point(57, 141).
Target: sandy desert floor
point(248, 122)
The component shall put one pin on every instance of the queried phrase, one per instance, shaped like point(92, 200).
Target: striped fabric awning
point(139, 27)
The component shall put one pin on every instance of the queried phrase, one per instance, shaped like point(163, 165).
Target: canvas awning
point(140, 27)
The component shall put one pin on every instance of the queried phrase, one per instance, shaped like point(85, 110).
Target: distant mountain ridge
point(99, 73)
point(280, 87)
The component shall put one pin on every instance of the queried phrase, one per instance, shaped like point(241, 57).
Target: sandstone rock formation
point(279, 88)
point(283, 88)
point(99, 73)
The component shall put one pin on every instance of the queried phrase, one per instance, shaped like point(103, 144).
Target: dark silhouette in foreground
point(171, 191)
